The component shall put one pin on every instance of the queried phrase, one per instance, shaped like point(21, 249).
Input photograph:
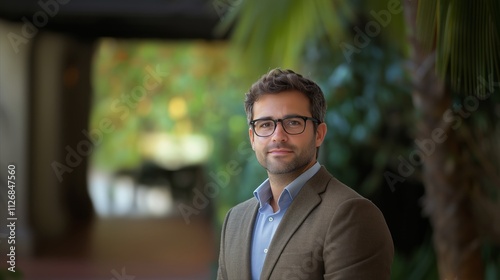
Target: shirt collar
point(263, 192)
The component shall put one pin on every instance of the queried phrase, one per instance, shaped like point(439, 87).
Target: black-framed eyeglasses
point(292, 125)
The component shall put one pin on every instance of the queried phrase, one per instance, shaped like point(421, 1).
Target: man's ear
point(251, 135)
point(320, 134)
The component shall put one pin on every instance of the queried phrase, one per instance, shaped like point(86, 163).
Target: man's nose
point(280, 133)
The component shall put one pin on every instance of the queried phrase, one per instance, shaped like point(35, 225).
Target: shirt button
point(271, 219)
point(265, 251)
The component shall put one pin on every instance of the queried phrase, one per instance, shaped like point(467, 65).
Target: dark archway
point(60, 36)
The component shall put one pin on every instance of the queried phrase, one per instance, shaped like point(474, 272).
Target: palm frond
point(271, 34)
point(465, 35)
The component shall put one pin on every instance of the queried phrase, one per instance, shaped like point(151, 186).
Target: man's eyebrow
point(284, 117)
point(264, 118)
point(292, 116)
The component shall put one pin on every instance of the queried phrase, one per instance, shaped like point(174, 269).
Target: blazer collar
point(307, 199)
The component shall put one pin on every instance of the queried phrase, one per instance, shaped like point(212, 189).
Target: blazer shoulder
point(325, 182)
point(334, 191)
point(341, 190)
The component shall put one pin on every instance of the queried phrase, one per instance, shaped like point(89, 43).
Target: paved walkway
point(130, 249)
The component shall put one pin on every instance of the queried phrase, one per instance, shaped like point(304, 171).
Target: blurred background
point(126, 125)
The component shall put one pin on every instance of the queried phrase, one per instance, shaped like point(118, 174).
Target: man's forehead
point(281, 105)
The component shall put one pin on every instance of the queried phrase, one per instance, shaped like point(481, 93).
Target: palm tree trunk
point(445, 174)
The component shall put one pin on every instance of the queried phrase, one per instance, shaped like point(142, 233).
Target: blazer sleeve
point(221, 270)
point(358, 244)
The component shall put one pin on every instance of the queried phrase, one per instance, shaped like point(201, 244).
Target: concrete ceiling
point(163, 19)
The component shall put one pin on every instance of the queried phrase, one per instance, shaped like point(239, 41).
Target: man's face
point(282, 153)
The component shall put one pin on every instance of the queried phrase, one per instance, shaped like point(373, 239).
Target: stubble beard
point(296, 164)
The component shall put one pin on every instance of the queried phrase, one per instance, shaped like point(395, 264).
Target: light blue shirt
point(267, 221)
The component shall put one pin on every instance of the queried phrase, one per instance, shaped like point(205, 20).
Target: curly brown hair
point(277, 81)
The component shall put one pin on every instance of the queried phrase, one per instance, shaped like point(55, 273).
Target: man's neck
point(278, 182)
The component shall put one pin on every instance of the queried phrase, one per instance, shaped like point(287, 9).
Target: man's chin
point(277, 170)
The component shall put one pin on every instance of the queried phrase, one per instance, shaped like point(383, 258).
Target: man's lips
point(279, 151)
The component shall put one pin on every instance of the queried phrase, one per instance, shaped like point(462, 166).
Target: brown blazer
point(328, 232)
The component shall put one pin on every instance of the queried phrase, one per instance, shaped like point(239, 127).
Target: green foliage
point(192, 92)
point(369, 105)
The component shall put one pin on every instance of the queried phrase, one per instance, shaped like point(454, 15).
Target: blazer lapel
point(305, 201)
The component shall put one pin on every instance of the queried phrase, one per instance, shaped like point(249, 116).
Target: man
point(302, 223)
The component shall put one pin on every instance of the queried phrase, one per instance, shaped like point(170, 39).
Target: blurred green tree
point(179, 88)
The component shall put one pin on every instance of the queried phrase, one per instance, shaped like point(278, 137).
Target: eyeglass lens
point(293, 125)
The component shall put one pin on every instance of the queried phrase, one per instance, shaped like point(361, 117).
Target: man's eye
point(265, 124)
point(293, 122)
